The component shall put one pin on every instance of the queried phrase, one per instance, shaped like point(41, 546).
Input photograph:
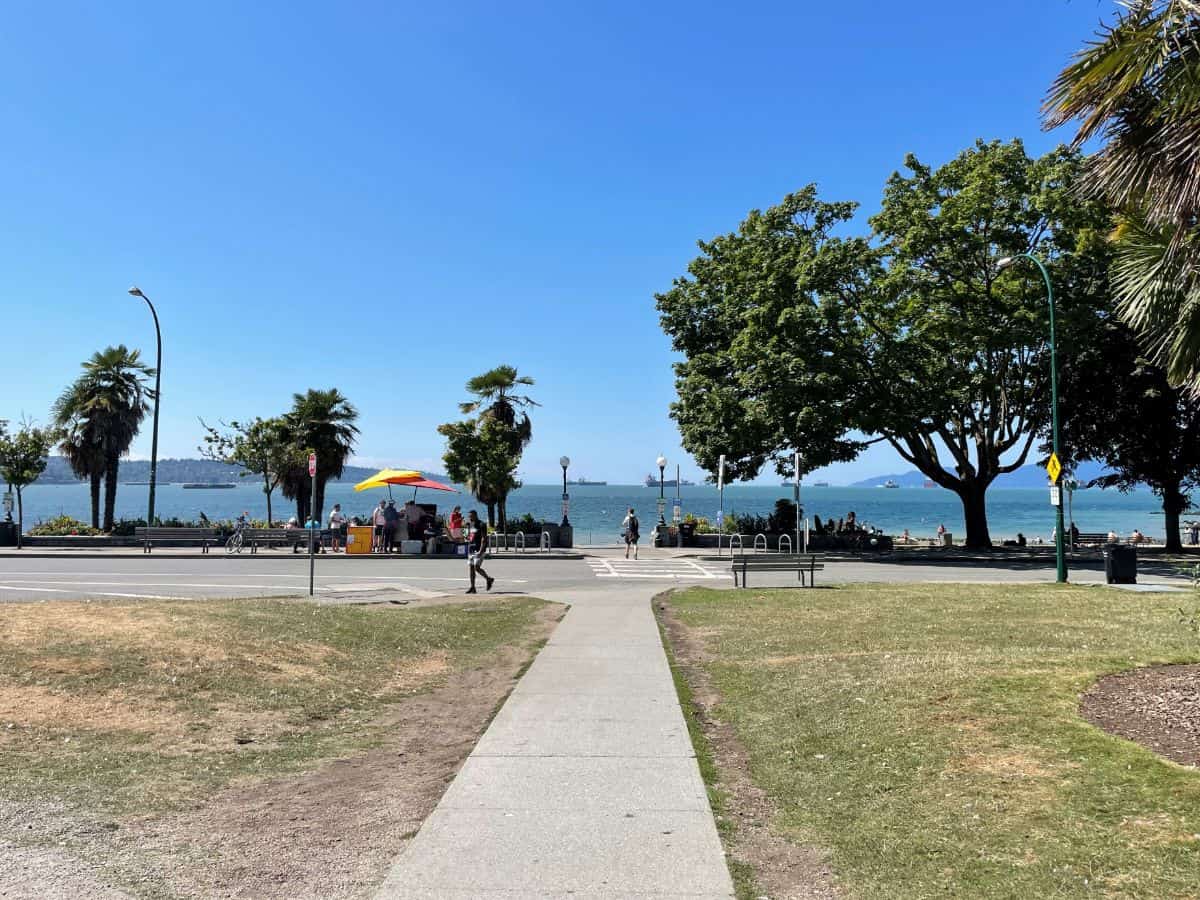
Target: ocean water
point(596, 510)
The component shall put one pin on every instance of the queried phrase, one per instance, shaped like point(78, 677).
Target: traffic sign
point(1054, 468)
point(312, 465)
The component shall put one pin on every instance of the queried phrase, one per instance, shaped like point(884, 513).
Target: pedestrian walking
point(337, 521)
point(630, 528)
point(477, 545)
point(1195, 533)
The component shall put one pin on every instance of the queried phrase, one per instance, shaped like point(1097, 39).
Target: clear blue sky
point(390, 198)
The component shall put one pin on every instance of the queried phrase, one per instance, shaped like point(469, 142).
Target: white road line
point(304, 577)
point(23, 589)
point(147, 584)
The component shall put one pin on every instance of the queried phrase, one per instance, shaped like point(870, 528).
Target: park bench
point(180, 537)
point(1091, 538)
point(800, 564)
point(296, 538)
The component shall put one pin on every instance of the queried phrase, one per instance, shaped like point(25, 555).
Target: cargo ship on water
point(651, 481)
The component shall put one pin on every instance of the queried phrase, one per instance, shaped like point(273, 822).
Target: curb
point(165, 554)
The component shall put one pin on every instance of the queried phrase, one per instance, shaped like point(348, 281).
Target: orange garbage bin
point(358, 539)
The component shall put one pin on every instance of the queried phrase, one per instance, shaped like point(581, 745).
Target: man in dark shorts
point(632, 533)
point(477, 544)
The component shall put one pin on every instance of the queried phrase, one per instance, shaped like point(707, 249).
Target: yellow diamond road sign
point(1054, 467)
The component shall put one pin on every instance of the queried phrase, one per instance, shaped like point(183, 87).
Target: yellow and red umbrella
point(405, 477)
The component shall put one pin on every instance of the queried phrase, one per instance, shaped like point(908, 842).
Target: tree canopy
point(22, 459)
point(799, 337)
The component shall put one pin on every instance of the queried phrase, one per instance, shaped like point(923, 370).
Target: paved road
point(134, 576)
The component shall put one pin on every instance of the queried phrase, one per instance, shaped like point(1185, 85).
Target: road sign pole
point(312, 521)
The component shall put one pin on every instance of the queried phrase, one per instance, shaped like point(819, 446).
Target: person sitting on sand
point(1137, 537)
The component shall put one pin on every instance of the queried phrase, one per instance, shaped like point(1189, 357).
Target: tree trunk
point(1174, 503)
point(20, 518)
point(95, 488)
point(974, 501)
point(267, 490)
point(491, 514)
point(502, 508)
point(110, 490)
point(320, 499)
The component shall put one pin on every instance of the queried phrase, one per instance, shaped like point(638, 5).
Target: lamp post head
point(564, 461)
point(1005, 262)
point(136, 291)
point(662, 462)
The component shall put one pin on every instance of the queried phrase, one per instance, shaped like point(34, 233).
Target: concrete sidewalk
point(585, 785)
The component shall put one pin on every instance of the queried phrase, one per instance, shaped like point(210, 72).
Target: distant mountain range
point(1030, 476)
point(186, 470)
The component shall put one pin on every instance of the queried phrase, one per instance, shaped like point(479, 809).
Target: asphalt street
point(134, 576)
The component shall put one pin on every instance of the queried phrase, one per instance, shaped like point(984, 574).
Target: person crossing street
point(476, 550)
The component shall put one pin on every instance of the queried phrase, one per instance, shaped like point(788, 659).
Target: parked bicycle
point(238, 539)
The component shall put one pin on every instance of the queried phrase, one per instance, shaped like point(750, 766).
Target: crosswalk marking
point(664, 569)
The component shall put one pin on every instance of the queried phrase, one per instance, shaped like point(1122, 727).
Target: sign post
point(721, 505)
point(311, 524)
point(799, 546)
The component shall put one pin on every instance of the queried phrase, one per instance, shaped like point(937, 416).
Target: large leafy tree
point(1135, 87)
point(100, 414)
point(1124, 412)
point(479, 456)
point(263, 447)
point(22, 459)
point(320, 421)
point(504, 426)
point(797, 338)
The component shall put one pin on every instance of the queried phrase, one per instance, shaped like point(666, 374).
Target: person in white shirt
point(378, 520)
point(336, 522)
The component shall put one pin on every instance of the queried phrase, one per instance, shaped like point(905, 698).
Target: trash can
point(1120, 564)
point(358, 539)
point(687, 533)
point(947, 540)
point(8, 534)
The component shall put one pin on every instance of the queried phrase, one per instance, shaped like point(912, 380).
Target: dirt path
point(782, 870)
point(329, 833)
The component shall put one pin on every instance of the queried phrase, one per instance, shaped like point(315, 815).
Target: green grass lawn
point(928, 735)
point(139, 707)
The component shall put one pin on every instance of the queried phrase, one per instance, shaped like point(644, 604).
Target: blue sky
point(390, 198)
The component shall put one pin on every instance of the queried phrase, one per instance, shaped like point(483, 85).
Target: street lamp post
point(137, 292)
point(565, 461)
point(1059, 536)
point(662, 500)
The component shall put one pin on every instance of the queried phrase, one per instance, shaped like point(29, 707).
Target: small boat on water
point(209, 485)
point(889, 484)
point(584, 481)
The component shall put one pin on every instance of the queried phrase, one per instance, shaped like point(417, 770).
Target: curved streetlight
point(1059, 537)
point(137, 292)
point(564, 461)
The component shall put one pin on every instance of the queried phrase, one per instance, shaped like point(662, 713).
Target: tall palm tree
point(82, 443)
point(1138, 87)
point(495, 397)
point(496, 401)
point(321, 422)
point(101, 413)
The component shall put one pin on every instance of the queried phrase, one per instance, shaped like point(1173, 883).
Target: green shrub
point(62, 526)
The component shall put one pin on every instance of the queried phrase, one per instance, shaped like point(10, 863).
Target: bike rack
point(519, 541)
point(788, 538)
point(764, 543)
point(740, 546)
point(544, 543)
